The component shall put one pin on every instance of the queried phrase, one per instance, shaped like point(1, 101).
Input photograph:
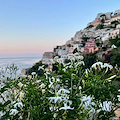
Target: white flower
point(72, 58)
point(13, 112)
point(46, 75)
point(1, 100)
point(51, 83)
point(1, 85)
point(107, 65)
point(38, 81)
point(118, 97)
point(42, 86)
point(55, 58)
point(41, 67)
point(58, 80)
point(106, 105)
point(29, 76)
point(66, 107)
point(60, 60)
point(55, 99)
point(79, 57)
point(52, 108)
point(20, 117)
point(20, 84)
point(53, 79)
point(80, 87)
point(87, 101)
point(20, 104)
point(96, 64)
point(64, 69)
point(102, 65)
point(70, 66)
point(86, 72)
point(67, 64)
point(62, 91)
point(111, 77)
point(33, 73)
point(76, 54)
point(2, 113)
point(80, 63)
point(55, 115)
point(23, 76)
point(6, 95)
point(21, 95)
point(43, 91)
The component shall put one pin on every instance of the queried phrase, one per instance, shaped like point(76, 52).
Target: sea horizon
point(19, 61)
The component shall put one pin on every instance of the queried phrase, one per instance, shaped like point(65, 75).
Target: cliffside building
point(116, 16)
point(115, 33)
point(90, 47)
point(47, 58)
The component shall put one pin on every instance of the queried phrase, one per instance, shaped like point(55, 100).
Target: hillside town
point(59, 60)
point(94, 38)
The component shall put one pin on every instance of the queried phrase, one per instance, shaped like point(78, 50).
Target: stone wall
point(48, 55)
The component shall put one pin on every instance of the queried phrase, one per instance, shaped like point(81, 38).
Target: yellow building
point(115, 33)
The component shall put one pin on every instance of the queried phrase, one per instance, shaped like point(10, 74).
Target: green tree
point(90, 26)
point(115, 57)
point(89, 59)
point(75, 50)
point(99, 26)
point(115, 41)
point(85, 39)
point(35, 68)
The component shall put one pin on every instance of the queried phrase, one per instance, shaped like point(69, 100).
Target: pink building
point(90, 47)
point(90, 43)
point(90, 50)
point(86, 50)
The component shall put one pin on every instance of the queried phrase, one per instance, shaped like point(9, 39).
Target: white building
point(105, 37)
point(62, 52)
point(118, 26)
point(78, 46)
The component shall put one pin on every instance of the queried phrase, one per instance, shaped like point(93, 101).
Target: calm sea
point(20, 62)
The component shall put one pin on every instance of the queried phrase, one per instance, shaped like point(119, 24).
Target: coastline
point(20, 62)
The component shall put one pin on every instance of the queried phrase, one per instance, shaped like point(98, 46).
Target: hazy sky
point(34, 26)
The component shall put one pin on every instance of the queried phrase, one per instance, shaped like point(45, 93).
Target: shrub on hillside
point(99, 26)
point(89, 59)
point(35, 68)
point(115, 41)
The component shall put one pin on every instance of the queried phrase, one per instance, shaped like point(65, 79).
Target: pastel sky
point(31, 27)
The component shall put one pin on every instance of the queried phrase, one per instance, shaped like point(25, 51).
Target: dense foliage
point(99, 26)
point(40, 72)
point(115, 41)
point(89, 59)
point(69, 93)
point(115, 57)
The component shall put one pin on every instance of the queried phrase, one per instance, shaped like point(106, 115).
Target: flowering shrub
point(71, 93)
